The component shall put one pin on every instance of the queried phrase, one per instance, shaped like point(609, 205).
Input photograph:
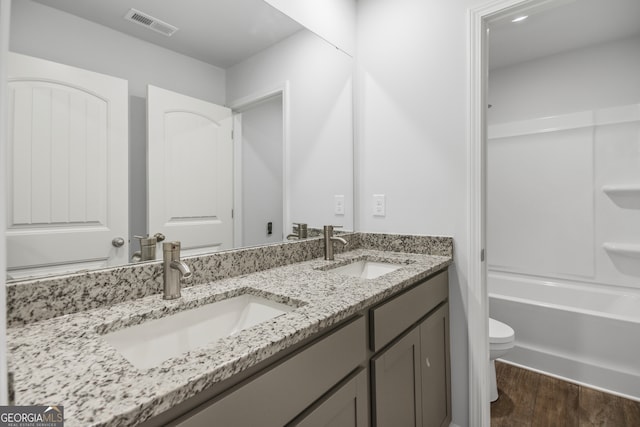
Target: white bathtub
point(585, 334)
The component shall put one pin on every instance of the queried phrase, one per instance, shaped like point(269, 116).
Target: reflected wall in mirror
point(263, 65)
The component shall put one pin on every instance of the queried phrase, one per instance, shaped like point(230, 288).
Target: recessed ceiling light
point(520, 18)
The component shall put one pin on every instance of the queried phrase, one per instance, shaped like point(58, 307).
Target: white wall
point(41, 31)
point(262, 173)
point(599, 76)
point(5, 10)
point(412, 138)
point(320, 133)
point(333, 20)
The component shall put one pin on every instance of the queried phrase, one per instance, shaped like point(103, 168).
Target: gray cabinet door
point(396, 383)
point(435, 369)
point(346, 407)
point(412, 378)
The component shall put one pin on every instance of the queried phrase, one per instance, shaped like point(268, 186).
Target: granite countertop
point(66, 361)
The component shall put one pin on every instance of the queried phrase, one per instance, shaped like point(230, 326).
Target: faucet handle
point(146, 240)
point(328, 230)
point(149, 240)
point(300, 228)
point(171, 250)
point(147, 250)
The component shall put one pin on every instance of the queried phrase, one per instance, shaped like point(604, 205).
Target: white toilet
point(501, 339)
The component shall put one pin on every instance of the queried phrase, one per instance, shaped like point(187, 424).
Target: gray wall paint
point(321, 121)
point(411, 127)
point(137, 171)
point(262, 172)
point(332, 20)
point(598, 76)
point(48, 33)
point(5, 6)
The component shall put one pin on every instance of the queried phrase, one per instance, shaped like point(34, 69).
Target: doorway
point(481, 19)
point(260, 128)
point(260, 139)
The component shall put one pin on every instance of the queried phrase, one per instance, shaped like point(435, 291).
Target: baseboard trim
point(576, 372)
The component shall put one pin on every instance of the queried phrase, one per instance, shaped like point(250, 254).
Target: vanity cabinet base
point(277, 396)
point(347, 406)
point(411, 375)
point(389, 366)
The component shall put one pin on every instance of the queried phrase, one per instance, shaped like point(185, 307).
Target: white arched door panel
point(67, 164)
point(190, 171)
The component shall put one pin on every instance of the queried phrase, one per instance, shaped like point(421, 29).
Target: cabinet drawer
point(278, 395)
point(393, 317)
point(345, 407)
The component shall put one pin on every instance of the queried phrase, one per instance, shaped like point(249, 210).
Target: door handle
point(117, 242)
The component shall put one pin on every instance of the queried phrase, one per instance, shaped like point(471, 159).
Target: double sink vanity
point(268, 336)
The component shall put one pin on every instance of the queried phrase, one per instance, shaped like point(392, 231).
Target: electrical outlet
point(379, 205)
point(338, 205)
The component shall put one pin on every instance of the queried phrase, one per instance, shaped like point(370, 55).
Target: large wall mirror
point(275, 98)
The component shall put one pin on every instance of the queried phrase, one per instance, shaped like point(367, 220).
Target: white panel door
point(67, 168)
point(190, 173)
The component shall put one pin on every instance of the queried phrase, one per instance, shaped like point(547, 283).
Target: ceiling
point(571, 25)
point(218, 32)
point(225, 32)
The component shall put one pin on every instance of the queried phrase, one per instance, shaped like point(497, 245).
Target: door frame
point(238, 106)
point(5, 14)
point(478, 20)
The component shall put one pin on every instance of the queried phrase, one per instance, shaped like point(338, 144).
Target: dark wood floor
point(529, 399)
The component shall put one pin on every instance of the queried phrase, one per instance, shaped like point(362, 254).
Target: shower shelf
point(626, 249)
point(621, 190)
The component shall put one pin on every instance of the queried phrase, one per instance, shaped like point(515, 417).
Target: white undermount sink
point(366, 269)
point(150, 343)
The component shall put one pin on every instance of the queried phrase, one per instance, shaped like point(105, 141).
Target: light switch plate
point(338, 205)
point(379, 205)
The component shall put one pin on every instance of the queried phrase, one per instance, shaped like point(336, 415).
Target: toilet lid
point(499, 332)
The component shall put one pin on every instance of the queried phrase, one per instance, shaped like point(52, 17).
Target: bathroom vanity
point(407, 361)
point(357, 347)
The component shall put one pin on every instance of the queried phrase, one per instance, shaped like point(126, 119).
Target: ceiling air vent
point(150, 22)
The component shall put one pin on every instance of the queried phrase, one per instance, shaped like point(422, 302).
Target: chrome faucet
point(147, 250)
point(299, 231)
point(329, 238)
point(174, 270)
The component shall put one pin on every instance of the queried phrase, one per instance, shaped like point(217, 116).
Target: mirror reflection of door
point(190, 171)
point(262, 165)
point(67, 168)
